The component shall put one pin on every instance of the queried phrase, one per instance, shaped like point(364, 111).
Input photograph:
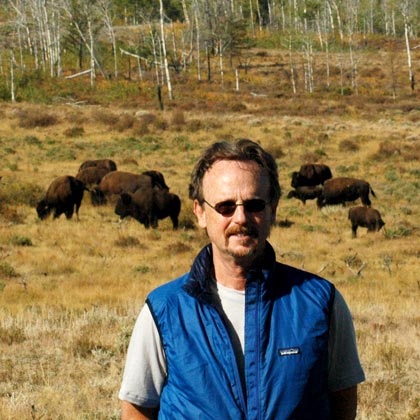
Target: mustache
point(242, 230)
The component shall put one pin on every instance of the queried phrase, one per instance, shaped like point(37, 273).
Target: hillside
point(70, 290)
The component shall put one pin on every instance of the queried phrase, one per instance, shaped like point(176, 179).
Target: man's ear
point(200, 213)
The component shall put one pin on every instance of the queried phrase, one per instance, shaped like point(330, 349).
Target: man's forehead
point(228, 173)
point(221, 167)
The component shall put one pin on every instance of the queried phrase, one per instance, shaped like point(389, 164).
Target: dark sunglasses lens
point(226, 208)
point(254, 206)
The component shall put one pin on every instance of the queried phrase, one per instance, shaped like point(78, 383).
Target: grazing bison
point(365, 217)
point(99, 163)
point(305, 193)
point(148, 206)
point(157, 179)
point(64, 195)
point(92, 175)
point(117, 182)
point(340, 190)
point(311, 174)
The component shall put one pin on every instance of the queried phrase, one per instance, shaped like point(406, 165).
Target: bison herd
point(315, 181)
point(145, 197)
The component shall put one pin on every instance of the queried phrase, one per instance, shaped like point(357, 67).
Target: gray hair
point(242, 150)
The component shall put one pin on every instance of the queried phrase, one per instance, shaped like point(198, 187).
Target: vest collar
point(201, 275)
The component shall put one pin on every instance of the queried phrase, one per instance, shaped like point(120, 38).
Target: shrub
point(105, 117)
point(74, 132)
point(11, 335)
point(194, 125)
point(238, 107)
point(143, 269)
point(125, 122)
point(32, 141)
point(60, 153)
point(85, 345)
point(20, 193)
point(10, 214)
point(178, 118)
point(36, 118)
point(20, 241)
point(398, 231)
point(127, 242)
point(348, 146)
point(178, 248)
point(183, 143)
point(386, 150)
point(6, 270)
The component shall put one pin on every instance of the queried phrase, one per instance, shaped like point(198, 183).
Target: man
point(241, 336)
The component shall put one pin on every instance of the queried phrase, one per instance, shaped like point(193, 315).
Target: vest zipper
point(235, 367)
point(257, 323)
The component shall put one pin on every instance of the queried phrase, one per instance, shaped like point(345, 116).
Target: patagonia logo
point(291, 351)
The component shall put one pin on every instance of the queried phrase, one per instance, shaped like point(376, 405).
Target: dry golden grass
point(70, 290)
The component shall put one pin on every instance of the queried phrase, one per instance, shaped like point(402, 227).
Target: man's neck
point(230, 273)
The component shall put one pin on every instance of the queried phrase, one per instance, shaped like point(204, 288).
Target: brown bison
point(64, 195)
point(115, 183)
point(305, 193)
point(365, 217)
point(92, 175)
point(148, 206)
point(340, 190)
point(99, 163)
point(311, 174)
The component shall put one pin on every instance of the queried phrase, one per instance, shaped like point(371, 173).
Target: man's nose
point(240, 215)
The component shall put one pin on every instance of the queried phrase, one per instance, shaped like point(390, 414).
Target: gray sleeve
point(145, 367)
point(344, 368)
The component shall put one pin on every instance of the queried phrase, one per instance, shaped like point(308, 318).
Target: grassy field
point(70, 290)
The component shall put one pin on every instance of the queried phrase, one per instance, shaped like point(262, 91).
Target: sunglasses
point(227, 208)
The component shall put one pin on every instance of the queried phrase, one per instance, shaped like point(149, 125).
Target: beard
point(238, 247)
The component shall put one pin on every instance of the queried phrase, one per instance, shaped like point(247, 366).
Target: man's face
point(241, 236)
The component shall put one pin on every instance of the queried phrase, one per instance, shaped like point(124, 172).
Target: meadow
point(70, 290)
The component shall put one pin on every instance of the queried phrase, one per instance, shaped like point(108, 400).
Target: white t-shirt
point(145, 368)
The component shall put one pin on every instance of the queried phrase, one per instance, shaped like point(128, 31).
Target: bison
point(340, 190)
point(64, 195)
point(117, 182)
point(367, 217)
point(157, 179)
point(99, 163)
point(148, 206)
point(311, 174)
point(92, 175)
point(305, 193)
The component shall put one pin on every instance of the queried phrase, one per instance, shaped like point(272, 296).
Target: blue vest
point(287, 315)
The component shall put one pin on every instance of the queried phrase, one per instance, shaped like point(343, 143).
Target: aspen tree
point(105, 9)
point(165, 57)
point(404, 12)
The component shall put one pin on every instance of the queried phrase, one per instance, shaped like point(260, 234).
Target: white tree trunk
point(292, 68)
point(340, 26)
point(198, 47)
point(251, 18)
point(185, 11)
point(407, 46)
point(12, 77)
point(222, 78)
point(165, 58)
point(108, 22)
point(92, 56)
